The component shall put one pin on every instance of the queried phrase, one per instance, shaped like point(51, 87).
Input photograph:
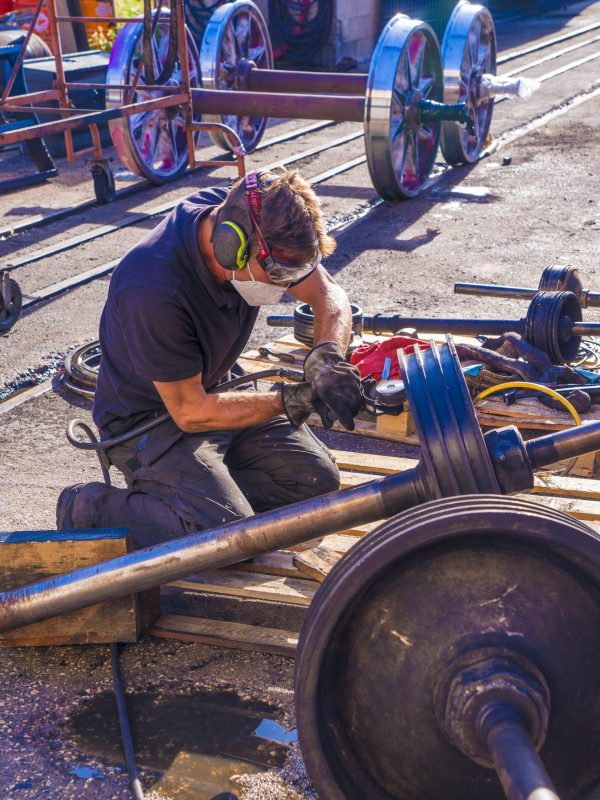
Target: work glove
point(299, 401)
point(336, 384)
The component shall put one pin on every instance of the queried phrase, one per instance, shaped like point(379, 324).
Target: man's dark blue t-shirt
point(166, 319)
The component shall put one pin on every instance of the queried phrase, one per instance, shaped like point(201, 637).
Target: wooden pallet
point(292, 577)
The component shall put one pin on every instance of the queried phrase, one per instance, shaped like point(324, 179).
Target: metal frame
point(72, 119)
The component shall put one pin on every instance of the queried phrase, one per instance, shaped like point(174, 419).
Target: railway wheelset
point(453, 652)
point(553, 322)
point(414, 96)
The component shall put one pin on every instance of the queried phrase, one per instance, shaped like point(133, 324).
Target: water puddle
point(194, 743)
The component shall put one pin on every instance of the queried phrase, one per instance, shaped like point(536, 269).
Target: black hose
point(151, 19)
point(134, 781)
point(277, 372)
point(302, 27)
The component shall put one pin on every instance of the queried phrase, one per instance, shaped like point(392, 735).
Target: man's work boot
point(66, 518)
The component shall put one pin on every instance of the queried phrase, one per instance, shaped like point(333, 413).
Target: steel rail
point(142, 185)
point(142, 216)
point(84, 278)
point(565, 37)
point(164, 208)
point(508, 136)
point(40, 221)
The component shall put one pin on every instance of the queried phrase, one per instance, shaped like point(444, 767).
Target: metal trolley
point(153, 68)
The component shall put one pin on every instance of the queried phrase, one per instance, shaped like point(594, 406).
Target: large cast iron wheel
point(405, 69)
point(153, 144)
point(235, 40)
point(451, 577)
point(468, 52)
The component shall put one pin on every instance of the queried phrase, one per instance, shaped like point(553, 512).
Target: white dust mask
point(257, 293)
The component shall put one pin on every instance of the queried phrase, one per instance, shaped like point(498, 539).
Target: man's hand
point(299, 401)
point(335, 382)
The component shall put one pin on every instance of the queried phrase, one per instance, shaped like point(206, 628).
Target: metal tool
point(268, 352)
point(455, 459)
point(453, 653)
point(555, 278)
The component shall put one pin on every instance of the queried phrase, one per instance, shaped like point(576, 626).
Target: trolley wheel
point(104, 181)
point(468, 53)
point(406, 68)
point(236, 39)
point(152, 144)
point(11, 301)
point(430, 587)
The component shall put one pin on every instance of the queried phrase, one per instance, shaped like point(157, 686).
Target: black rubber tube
point(134, 780)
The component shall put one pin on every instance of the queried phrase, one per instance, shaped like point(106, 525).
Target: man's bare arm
point(195, 411)
point(333, 315)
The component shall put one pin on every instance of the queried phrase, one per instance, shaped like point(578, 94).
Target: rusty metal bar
point(96, 141)
point(165, 89)
point(17, 65)
point(271, 80)
point(341, 108)
point(31, 98)
point(101, 20)
point(60, 83)
point(47, 109)
point(177, 10)
point(60, 125)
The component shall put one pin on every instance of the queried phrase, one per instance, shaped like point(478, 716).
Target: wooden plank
point(576, 507)
point(259, 587)
point(27, 556)
point(316, 564)
point(226, 634)
point(372, 462)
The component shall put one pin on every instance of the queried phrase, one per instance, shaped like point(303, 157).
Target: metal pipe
point(520, 769)
point(587, 298)
point(489, 290)
point(341, 108)
point(61, 125)
point(471, 327)
point(272, 80)
point(563, 444)
point(228, 544)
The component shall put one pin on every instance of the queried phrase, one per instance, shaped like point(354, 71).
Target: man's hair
point(291, 220)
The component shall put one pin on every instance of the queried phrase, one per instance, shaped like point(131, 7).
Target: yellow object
point(538, 387)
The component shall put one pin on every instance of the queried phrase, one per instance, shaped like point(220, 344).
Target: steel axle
point(456, 459)
point(555, 278)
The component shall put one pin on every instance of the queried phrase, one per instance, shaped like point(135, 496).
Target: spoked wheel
point(11, 301)
point(236, 40)
point(466, 604)
point(468, 53)
point(405, 69)
point(152, 144)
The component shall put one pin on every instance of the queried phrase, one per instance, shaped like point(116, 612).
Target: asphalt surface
point(530, 203)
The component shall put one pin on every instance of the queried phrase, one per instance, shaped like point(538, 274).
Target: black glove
point(299, 401)
point(335, 382)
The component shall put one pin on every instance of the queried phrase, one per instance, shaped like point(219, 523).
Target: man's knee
point(321, 477)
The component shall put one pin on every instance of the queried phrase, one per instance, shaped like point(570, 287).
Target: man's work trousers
point(179, 483)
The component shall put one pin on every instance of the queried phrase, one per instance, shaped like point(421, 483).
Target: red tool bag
point(370, 358)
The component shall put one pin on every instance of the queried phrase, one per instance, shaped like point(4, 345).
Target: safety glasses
point(280, 271)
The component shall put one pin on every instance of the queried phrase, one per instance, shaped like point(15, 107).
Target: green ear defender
point(230, 240)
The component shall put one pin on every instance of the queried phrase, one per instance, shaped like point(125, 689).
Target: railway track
point(136, 218)
point(338, 226)
point(142, 185)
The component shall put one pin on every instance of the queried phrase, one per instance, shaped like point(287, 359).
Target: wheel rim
point(10, 313)
point(235, 40)
point(444, 548)
point(153, 144)
point(405, 68)
point(468, 52)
